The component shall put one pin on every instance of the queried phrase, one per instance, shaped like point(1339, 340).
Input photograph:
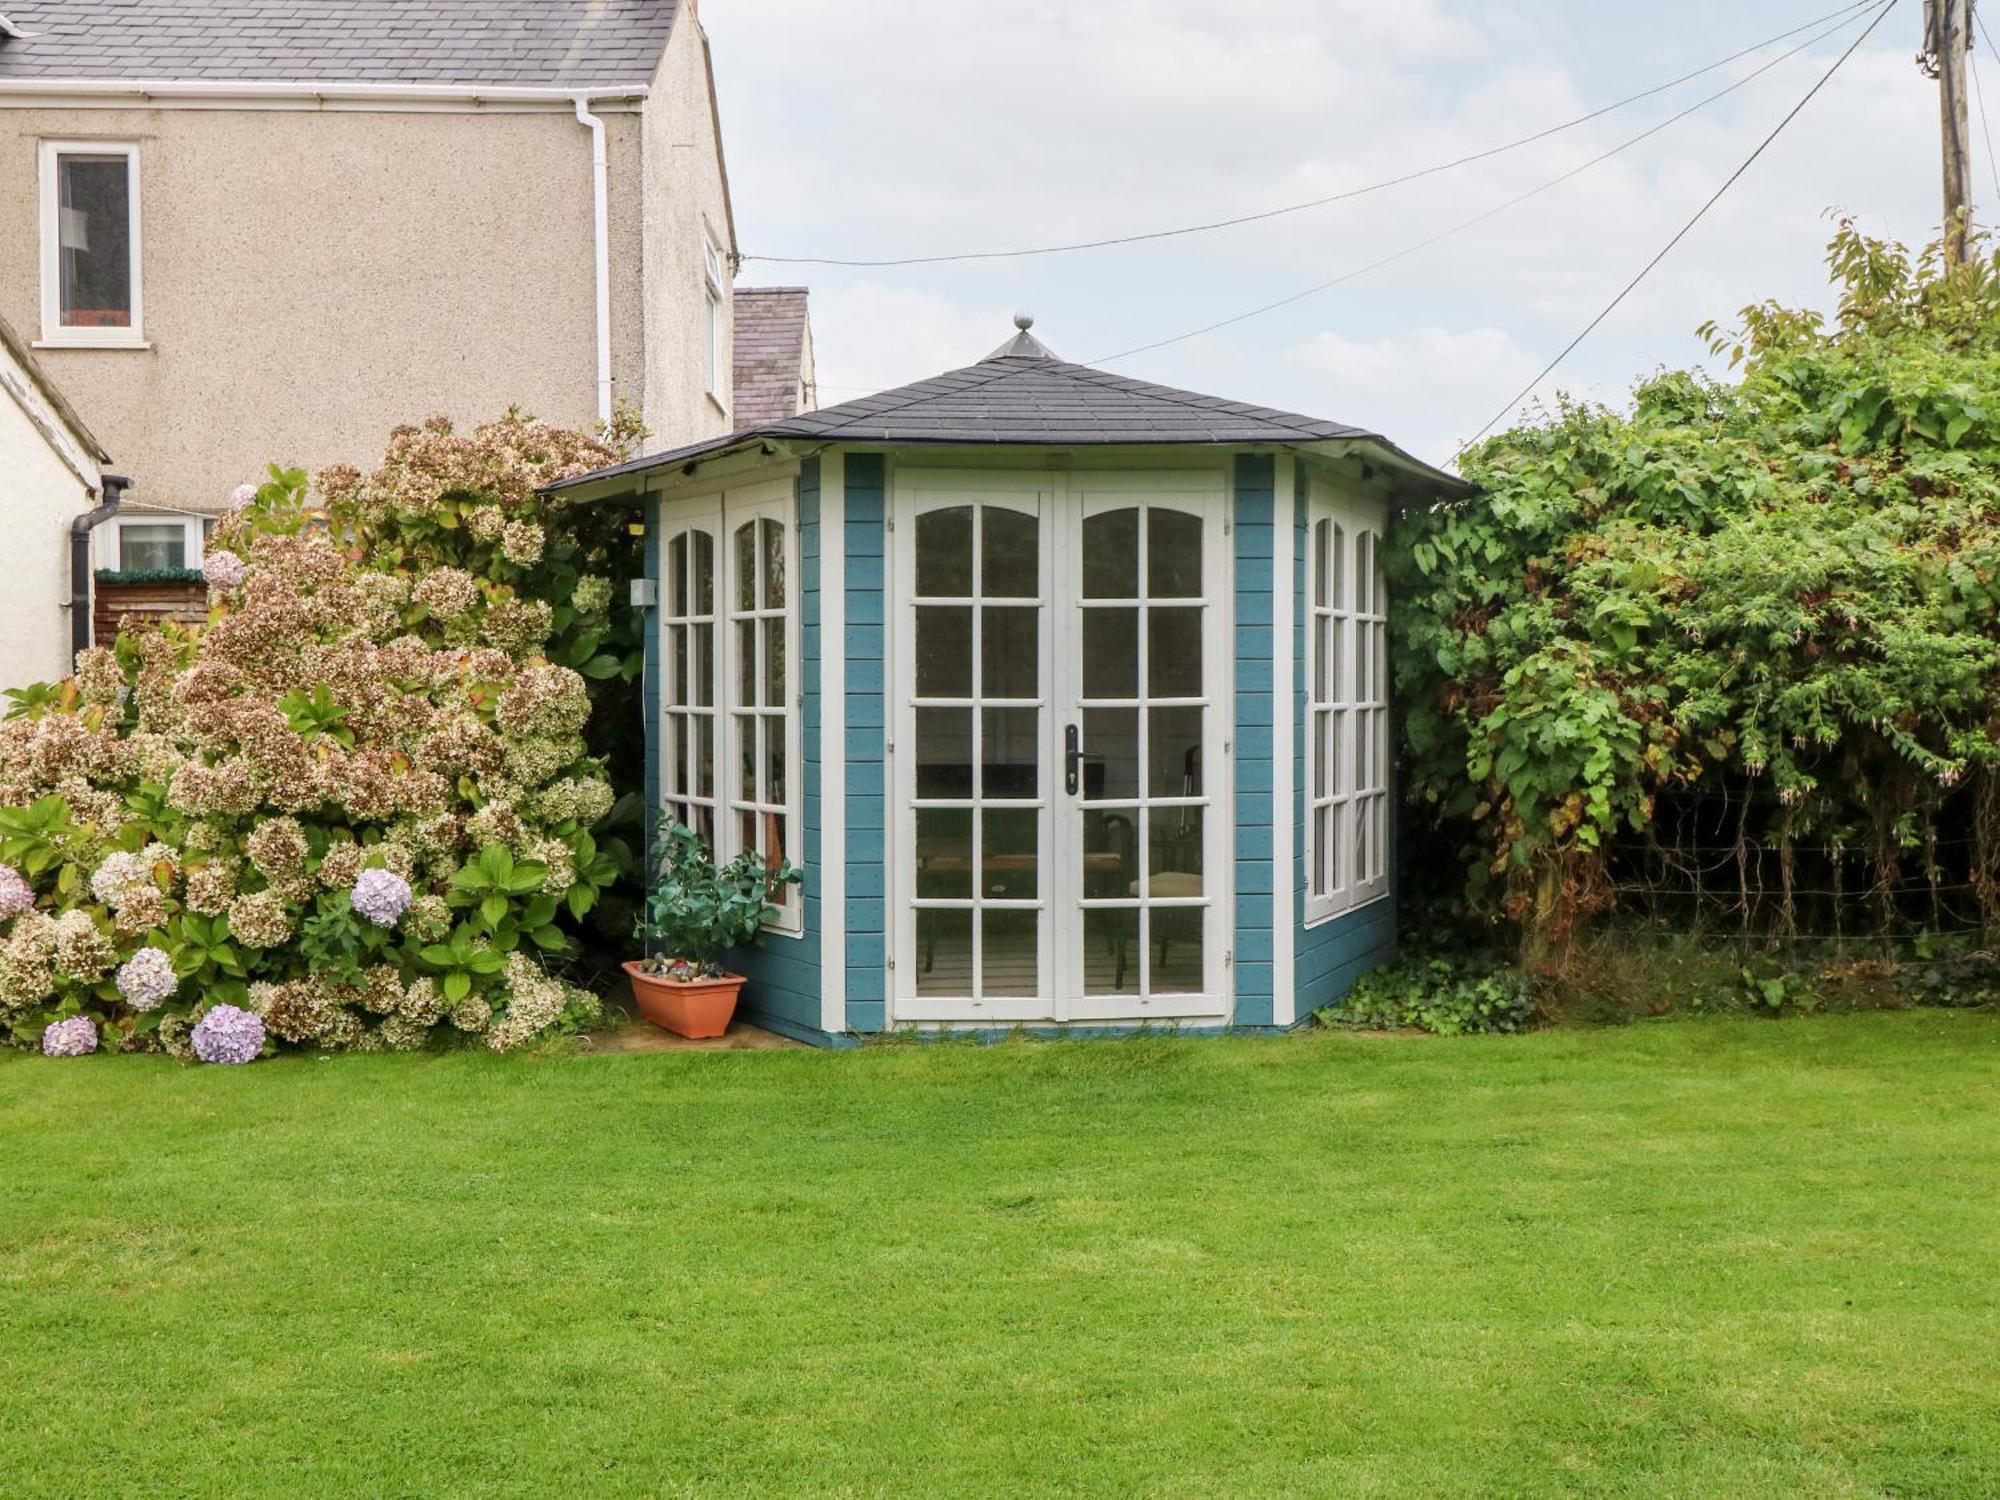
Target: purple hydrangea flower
point(228, 1035)
point(242, 495)
point(76, 1037)
point(16, 896)
point(147, 978)
point(382, 896)
point(223, 570)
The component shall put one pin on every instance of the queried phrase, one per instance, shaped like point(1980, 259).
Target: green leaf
point(456, 986)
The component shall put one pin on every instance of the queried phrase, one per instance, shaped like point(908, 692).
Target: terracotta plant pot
point(693, 1008)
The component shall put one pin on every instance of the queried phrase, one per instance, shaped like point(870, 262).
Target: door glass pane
point(95, 241)
point(1174, 851)
point(704, 573)
point(1008, 649)
point(774, 564)
point(746, 566)
point(1111, 653)
point(1010, 554)
point(1176, 937)
point(746, 757)
point(746, 661)
point(1173, 653)
point(1111, 950)
point(944, 651)
point(1110, 754)
point(1111, 555)
point(944, 952)
point(944, 853)
point(1009, 853)
point(1010, 750)
point(1173, 752)
point(944, 752)
point(1009, 961)
point(704, 757)
point(678, 685)
point(1110, 853)
point(944, 553)
point(774, 663)
point(1322, 545)
point(704, 666)
point(774, 758)
point(677, 575)
point(1173, 554)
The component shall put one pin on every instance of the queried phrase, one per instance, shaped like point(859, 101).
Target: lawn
point(1703, 1258)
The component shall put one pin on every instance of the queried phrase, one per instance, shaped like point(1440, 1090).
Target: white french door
point(1058, 853)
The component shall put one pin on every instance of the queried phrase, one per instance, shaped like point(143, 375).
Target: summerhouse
point(1067, 692)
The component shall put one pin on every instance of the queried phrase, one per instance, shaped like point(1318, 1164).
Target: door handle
point(1072, 757)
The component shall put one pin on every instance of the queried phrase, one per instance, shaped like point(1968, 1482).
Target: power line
point(1847, 11)
point(1985, 125)
point(1494, 211)
point(1685, 229)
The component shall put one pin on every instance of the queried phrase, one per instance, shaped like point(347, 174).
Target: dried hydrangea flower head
point(76, 1037)
point(147, 979)
point(382, 896)
point(16, 895)
point(228, 1035)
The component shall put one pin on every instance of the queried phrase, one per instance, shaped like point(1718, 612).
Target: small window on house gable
point(716, 290)
point(145, 544)
point(1347, 711)
point(90, 244)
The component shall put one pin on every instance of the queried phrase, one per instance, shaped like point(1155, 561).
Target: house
point(245, 231)
point(53, 489)
point(1068, 693)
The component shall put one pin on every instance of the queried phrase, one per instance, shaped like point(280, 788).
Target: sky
point(887, 128)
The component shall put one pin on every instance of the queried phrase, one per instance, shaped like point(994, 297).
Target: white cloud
point(1427, 388)
point(870, 336)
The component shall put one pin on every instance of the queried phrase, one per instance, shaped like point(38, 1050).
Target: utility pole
point(1947, 40)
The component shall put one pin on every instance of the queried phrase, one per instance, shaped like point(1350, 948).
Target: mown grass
point(1714, 1258)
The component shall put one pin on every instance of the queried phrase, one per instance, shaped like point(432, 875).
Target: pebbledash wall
point(829, 983)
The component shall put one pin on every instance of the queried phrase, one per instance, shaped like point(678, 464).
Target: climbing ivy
point(1779, 592)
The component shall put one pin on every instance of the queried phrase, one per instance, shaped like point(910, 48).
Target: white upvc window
point(715, 285)
point(1347, 710)
point(91, 297)
point(148, 543)
point(729, 693)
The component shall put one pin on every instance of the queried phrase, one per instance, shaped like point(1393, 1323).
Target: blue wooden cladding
point(866, 769)
point(1253, 481)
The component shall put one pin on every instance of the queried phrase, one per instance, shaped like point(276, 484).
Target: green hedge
point(151, 575)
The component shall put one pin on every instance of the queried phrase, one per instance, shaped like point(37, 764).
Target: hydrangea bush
point(358, 806)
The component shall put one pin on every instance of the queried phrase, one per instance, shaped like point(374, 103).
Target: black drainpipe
point(80, 528)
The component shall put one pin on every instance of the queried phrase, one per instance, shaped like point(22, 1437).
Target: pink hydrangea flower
point(228, 1035)
point(242, 495)
point(382, 896)
point(76, 1037)
point(223, 570)
point(16, 896)
point(147, 978)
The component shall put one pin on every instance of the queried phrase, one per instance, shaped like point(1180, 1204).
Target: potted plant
point(693, 913)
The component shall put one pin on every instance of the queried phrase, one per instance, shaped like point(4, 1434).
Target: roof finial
point(1024, 321)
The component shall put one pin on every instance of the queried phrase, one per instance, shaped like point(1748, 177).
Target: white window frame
point(54, 334)
point(715, 285)
point(1347, 705)
point(194, 534)
point(719, 515)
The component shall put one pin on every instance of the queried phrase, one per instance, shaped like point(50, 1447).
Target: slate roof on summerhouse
point(770, 353)
point(529, 43)
point(1023, 394)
